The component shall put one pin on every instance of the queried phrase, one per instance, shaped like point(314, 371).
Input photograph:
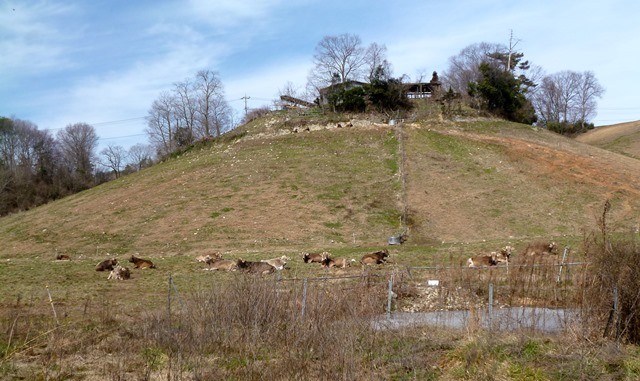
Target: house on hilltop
point(421, 90)
point(414, 90)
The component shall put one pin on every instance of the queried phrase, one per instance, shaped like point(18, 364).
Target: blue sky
point(104, 62)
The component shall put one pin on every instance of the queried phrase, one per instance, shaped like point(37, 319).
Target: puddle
point(505, 319)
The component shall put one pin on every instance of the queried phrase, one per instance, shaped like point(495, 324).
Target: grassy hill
point(340, 183)
point(346, 182)
point(623, 138)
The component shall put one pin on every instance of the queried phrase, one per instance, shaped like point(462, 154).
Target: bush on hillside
point(569, 129)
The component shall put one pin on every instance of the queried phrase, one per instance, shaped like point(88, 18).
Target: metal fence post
point(169, 301)
point(490, 306)
point(304, 296)
point(389, 298)
point(564, 258)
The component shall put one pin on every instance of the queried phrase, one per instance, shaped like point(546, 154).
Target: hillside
point(340, 184)
point(623, 138)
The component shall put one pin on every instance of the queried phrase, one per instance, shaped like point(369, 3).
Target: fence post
point(304, 296)
point(389, 298)
point(490, 306)
point(55, 315)
point(616, 314)
point(564, 258)
point(169, 300)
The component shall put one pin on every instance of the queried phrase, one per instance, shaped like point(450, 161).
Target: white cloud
point(32, 39)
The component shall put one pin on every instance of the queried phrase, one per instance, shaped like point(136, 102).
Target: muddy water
point(511, 318)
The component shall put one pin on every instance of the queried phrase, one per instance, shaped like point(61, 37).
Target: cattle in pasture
point(493, 259)
point(119, 273)
point(209, 258)
point(255, 267)
point(541, 248)
point(377, 258)
point(62, 257)
point(223, 264)
point(107, 264)
point(482, 261)
point(278, 263)
point(315, 257)
point(139, 263)
point(340, 263)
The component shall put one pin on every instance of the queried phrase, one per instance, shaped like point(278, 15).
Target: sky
point(104, 62)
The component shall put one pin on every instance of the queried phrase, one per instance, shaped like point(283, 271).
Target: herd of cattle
point(266, 266)
point(215, 261)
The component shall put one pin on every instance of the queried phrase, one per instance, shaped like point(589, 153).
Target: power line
point(121, 137)
point(117, 121)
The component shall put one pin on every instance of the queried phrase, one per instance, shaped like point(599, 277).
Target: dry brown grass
point(623, 138)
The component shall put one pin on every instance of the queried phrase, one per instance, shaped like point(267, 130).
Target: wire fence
point(534, 296)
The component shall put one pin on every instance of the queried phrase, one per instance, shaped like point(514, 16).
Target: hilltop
point(291, 182)
point(623, 138)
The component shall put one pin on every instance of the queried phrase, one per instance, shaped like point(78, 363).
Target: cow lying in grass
point(62, 257)
point(315, 257)
point(492, 259)
point(277, 263)
point(223, 264)
point(340, 263)
point(107, 264)
point(209, 258)
point(119, 273)
point(541, 248)
point(139, 263)
point(377, 258)
point(255, 267)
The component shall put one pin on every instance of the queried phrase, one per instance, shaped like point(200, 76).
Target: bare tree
point(465, 66)
point(162, 124)
point(338, 59)
point(567, 97)
point(213, 110)
point(78, 143)
point(113, 158)
point(376, 57)
point(140, 156)
point(589, 90)
point(186, 108)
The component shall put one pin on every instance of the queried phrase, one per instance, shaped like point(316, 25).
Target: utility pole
point(245, 103)
point(512, 46)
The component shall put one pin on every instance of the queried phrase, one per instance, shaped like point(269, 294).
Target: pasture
point(64, 320)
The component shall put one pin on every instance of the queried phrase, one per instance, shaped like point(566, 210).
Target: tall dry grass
point(255, 328)
point(612, 289)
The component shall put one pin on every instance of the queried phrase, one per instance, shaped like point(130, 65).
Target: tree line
point(194, 109)
point(487, 76)
point(37, 167)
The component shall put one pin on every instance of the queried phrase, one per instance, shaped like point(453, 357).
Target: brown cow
point(541, 248)
point(255, 267)
point(107, 264)
point(139, 263)
point(277, 263)
point(492, 259)
point(209, 258)
point(377, 258)
point(315, 257)
point(223, 264)
point(62, 257)
point(482, 261)
point(119, 273)
point(337, 262)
